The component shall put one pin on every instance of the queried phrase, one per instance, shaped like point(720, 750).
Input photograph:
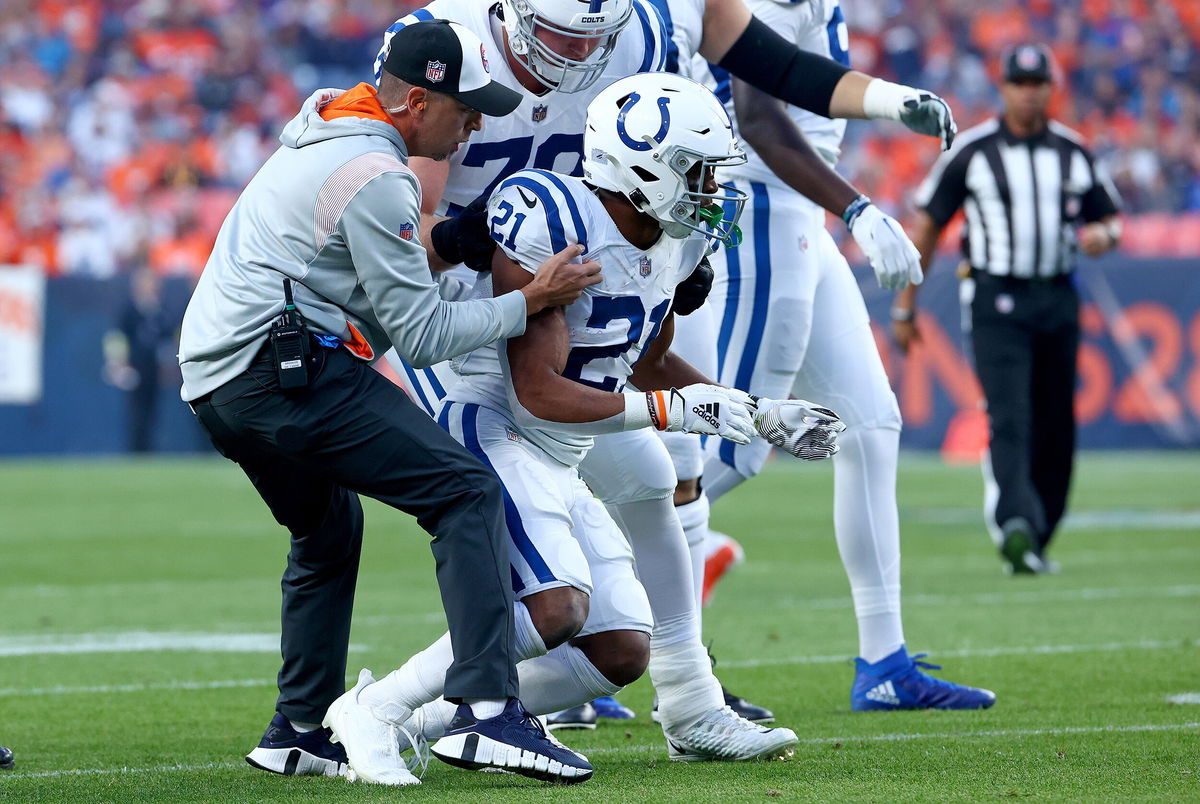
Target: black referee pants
point(310, 453)
point(1025, 336)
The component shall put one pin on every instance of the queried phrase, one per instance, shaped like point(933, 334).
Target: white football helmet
point(645, 133)
point(576, 19)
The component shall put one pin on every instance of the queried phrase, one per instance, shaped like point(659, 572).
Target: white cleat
point(724, 736)
point(371, 743)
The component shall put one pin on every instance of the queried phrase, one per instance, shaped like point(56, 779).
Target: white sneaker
point(371, 743)
point(723, 735)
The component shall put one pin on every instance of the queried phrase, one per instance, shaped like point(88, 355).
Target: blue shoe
point(512, 741)
point(291, 753)
point(613, 709)
point(896, 682)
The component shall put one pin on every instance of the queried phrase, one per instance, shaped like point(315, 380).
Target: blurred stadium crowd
point(127, 127)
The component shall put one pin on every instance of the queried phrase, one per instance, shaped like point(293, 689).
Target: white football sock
point(484, 708)
point(664, 566)
point(683, 678)
point(561, 679)
point(693, 516)
point(423, 677)
point(868, 534)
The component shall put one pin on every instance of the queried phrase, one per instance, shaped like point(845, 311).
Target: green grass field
point(139, 618)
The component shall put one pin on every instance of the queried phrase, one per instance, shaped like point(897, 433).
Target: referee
point(1033, 196)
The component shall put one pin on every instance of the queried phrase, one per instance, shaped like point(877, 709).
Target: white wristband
point(637, 411)
point(883, 99)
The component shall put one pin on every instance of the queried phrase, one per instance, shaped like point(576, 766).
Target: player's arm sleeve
point(945, 188)
point(394, 273)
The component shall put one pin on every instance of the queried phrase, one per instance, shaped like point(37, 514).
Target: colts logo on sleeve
point(435, 71)
point(644, 266)
point(539, 112)
point(406, 231)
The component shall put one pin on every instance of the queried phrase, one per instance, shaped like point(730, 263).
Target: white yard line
point(133, 641)
point(1017, 650)
point(642, 748)
point(1184, 698)
point(999, 598)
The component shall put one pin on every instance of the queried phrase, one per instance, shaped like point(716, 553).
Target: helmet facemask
point(715, 214)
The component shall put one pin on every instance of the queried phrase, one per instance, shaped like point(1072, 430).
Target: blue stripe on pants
point(516, 529)
point(758, 311)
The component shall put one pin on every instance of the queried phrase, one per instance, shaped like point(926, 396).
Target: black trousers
point(1025, 336)
point(310, 453)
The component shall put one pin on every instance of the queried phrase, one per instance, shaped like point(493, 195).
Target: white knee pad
point(618, 601)
point(622, 605)
point(629, 467)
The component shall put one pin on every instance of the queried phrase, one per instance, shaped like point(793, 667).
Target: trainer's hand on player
point(893, 256)
point(560, 280)
point(704, 409)
point(691, 292)
point(803, 429)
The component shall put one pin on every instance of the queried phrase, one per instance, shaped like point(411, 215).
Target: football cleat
point(371, 743)
point(291, 753)
point(6, 759)
point(723, 553)
point(577, 717)
point(609, 707)
point(897, 682)
point(513, 741)
point(724, 736)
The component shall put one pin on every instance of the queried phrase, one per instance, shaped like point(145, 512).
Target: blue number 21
point(501, 220)
point(605, 310)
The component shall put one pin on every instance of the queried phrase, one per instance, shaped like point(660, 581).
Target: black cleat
point(577, 717)
point(6, 758)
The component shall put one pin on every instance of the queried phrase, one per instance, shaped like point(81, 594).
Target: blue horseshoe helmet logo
point(642, 145)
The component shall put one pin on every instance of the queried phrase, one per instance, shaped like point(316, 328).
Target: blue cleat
point(291, 753)
point(513, 741)
point(896, 682)
point(613, 709)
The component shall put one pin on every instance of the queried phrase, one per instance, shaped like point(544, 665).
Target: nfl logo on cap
point(539, 112)
point(406, 231)
point(435, 71)
point(644, 266)
point(1028, 58)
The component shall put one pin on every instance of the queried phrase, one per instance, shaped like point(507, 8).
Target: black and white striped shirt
point(1022, 197)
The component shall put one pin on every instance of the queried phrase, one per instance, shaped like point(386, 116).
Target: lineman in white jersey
point(531, 408)
point(791, 320)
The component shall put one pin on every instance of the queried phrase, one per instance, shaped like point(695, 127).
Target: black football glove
point(465, 238)
point(691, 292)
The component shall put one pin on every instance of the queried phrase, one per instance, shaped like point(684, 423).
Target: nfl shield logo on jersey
point(539, 112)
point(406, 231)
point(435, 71)
point(644, 266)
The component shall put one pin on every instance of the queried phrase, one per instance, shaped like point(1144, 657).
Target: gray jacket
point(337, 210)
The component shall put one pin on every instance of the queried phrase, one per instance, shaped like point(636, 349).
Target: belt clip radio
point(290, 344)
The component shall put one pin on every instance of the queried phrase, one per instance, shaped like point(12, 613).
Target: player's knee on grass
point(558, 614)
point(620, 656)
point(687, 491)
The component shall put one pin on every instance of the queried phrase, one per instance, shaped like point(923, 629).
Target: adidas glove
point(893, 256)
point(698, 408)
point(801, 428)
point(919, 109)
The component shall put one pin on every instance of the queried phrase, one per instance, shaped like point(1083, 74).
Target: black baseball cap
point(1027, 62)
point(445, 57)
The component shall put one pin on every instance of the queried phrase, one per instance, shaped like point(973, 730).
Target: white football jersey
point(685, 27)
point(546, 131)
point(534, 214)
point(816, 26)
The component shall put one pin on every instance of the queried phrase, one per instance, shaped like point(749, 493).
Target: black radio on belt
point(290, 343)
